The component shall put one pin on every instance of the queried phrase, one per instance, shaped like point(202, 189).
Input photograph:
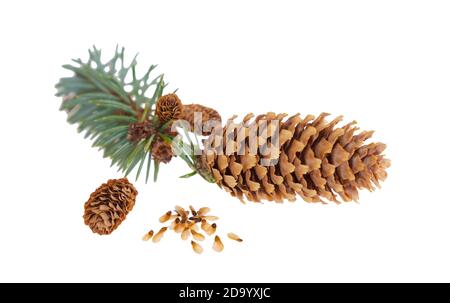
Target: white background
point(385, 64)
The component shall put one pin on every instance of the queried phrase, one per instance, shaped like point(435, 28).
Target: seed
point(159, 235)
point(165, 217)
point(148, 236)
point(180, 210)
point(234, 237)
point(197, 236)
point(218, 245)
point(193, 211)
point(195, 227)
point(212, 229)
point(209, 229)
point(203, 211)
point(206, 226)
point(185, 233)
point(195, 219)
point(192, 225)
point(196, 247)
point(211, 218)
point(174, 223)
point(179, 227)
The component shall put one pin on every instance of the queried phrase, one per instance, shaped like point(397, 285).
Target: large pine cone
point(109, 205)
point(316, 160)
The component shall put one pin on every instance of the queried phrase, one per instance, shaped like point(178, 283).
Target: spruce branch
point(104, 98)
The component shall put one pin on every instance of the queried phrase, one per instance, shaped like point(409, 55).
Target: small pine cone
point(140, 130)
point(109, 205)
point(162, 151)
point(316, 160)
point(208, 114)
point(169, 107)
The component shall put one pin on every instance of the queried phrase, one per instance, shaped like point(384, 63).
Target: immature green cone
point(109, 205)
point(316, 160)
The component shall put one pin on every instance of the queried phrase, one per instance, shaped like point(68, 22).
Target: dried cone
point(169, 107)
point(316, 160)
point(208, 114)
point(109, 205)
point(162, 151)
point(140, 130)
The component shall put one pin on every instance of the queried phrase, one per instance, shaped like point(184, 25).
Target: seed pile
point(191, 223)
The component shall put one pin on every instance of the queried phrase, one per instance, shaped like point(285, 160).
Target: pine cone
point(140, 130)
point(169, 107)
point(162, 151)
point(109, 205)
point(315, 160)
point(208, 114)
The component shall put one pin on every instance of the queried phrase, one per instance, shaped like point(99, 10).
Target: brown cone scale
point(109, 205)
point(317, 161)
